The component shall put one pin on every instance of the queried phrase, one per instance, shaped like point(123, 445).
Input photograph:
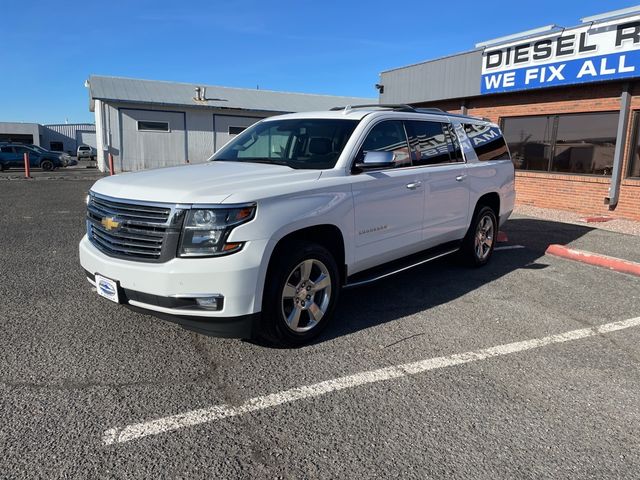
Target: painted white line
point(509, 247)
point(218, 412)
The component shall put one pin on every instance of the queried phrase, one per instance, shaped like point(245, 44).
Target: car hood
point(210, 182)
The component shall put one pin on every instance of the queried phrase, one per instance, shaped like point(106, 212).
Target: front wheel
point(46, 165)
point(478, 244)
point(300, 294)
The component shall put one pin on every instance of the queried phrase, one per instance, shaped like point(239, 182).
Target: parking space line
point(207, 415)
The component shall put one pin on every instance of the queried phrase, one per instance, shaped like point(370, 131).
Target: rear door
point(435, 147)
point(388, 202)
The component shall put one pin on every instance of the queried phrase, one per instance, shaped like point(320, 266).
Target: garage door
point(228, 127)
point(87, 138)
point(152, 139)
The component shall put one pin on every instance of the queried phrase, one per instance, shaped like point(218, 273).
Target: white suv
point(258, 241)
point(85, 151)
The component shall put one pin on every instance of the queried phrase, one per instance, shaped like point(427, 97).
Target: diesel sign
point(589, 53)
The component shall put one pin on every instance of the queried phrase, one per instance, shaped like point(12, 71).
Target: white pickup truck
point(259, 241)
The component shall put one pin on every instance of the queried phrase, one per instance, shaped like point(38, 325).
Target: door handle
point(460, 178)
point(414, 185)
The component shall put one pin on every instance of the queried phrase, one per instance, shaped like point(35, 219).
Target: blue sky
point(48, 49)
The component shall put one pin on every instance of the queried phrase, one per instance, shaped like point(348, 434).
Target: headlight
point(205, 231)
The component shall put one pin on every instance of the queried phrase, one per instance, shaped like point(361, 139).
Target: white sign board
point(589, 53)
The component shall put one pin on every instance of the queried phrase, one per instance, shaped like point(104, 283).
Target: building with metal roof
point(147, 123)
point(64, 137)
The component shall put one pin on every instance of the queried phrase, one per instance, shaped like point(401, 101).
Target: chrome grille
point(133, 230)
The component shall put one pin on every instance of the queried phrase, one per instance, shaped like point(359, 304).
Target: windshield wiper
point(273, 161)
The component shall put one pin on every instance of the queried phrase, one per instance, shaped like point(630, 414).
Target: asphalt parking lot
point(78, 372)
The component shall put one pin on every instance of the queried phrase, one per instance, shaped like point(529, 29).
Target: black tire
point(476, 250)
point(2, 167)
point(46, 165)
point(277, 307)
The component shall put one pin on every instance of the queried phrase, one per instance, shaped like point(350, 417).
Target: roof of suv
point(357, 112)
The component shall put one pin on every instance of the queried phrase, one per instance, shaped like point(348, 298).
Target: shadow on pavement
point(441, 281)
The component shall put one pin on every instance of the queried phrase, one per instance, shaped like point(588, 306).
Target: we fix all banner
point(589, 53)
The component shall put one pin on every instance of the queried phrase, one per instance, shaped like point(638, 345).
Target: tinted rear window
point(487, 141)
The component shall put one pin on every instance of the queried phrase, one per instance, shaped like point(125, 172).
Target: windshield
point(301, 144)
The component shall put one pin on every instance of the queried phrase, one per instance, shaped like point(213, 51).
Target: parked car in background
point(65, 158)
point(12, 155)
point(85, 151)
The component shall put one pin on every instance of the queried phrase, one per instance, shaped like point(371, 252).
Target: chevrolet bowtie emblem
point(110, 223)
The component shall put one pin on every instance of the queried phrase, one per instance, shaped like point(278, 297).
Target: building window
point(148, 126)
point(236, 130)
point(56, 146)
point(573, 143)
point(634, 160)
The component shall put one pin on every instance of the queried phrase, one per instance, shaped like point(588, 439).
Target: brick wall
point(577, 193)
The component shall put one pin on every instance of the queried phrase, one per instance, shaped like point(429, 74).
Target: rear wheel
point(478, 244)
point(46, 165)
point(300, 294)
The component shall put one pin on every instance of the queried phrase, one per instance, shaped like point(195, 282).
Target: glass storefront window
point(573, 143)
point(529, 140)
point(585, 143)
point(634, 160)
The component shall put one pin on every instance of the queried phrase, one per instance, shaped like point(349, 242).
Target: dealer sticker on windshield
point(107, 288)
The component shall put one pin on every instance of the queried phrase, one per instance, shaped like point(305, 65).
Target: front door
point(389, 202)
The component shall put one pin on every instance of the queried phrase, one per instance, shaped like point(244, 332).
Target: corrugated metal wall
point(457, 76)
point(200, 144)
point(142, 149)
point(67, 134)
point(205, 131)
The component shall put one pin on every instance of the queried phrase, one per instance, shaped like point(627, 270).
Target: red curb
point(596, 219)
point(612, 263)
point(502, 237)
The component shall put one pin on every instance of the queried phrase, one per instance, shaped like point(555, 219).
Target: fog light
point(210, 303)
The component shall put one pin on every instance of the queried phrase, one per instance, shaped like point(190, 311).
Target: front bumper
point(154, 287)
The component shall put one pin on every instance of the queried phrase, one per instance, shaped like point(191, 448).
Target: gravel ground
point(619, 225)
point(76, 173)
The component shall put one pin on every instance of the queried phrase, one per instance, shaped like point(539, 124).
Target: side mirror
point(377, 160)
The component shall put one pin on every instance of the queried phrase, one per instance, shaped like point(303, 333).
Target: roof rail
point(399, 107)
point(430, 110)
point(393, 106)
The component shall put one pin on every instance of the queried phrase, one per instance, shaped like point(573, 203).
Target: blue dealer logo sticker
point(106, 288)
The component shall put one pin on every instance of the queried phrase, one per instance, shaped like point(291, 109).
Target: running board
point(386, 270)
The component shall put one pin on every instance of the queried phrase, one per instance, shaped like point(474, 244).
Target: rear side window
point(430, 143)
point(6, 149)
point(454, 145)
point(487, 141)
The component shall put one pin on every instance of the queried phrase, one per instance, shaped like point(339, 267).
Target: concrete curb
point(612, 263)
